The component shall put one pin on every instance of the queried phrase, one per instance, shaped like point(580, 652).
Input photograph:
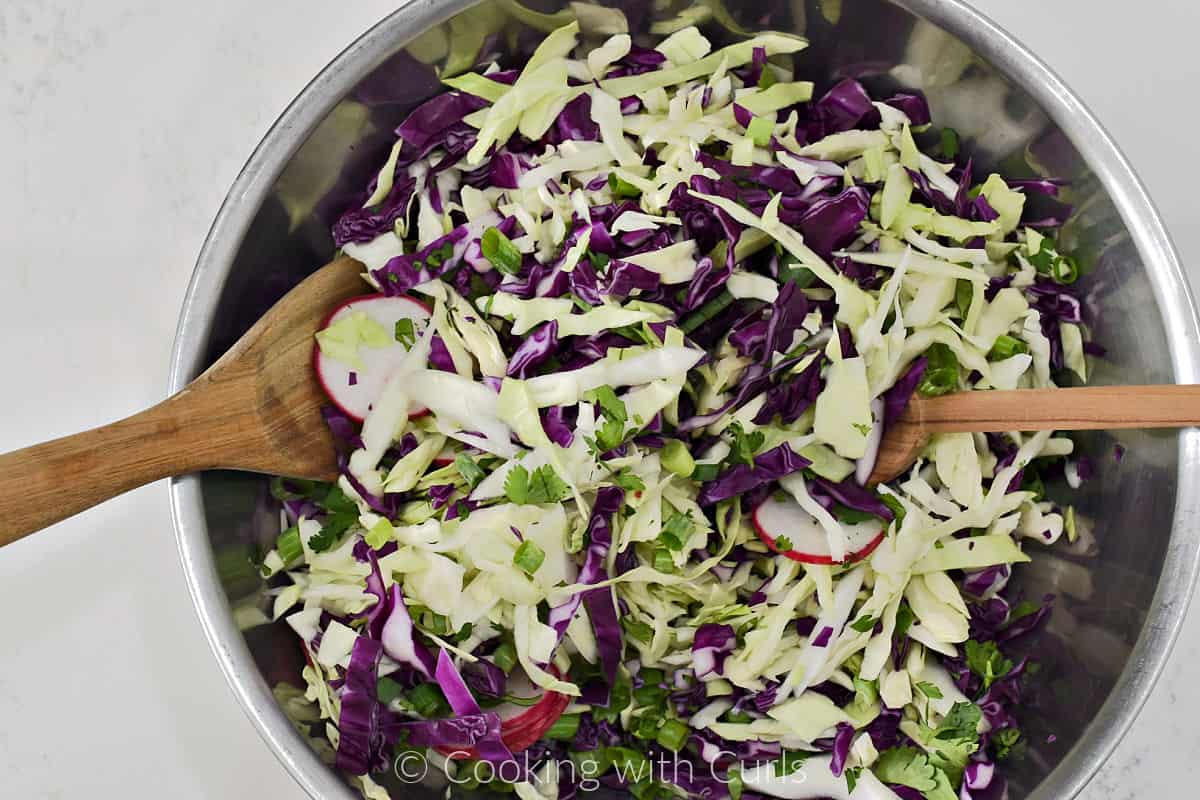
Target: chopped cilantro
point(542, 486)
point(610, 404)
point(1005, 742)
point(961, 724)
point(789, 762)
point(743, 445)
point(628, 481)
point(986, 661)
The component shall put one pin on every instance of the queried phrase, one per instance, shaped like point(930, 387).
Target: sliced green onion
point(663, 560)
point(644, 790)
point(576, 539)
point(289, 546)
point(706, 472)
point(437, 257)
point(791, 271)
point(627, 760)
point(380, 534)
point(618, 701)
point(564, 728)
point(646, 728)
point(500, 251)
point(676, 531)
point(1065, 270)
point(463, 633)
point(1045, 257)
point(673, 735)
point(649, 696)
point(529, 556)
point(406, 332)
point(734, 783)
point(706, 312)
point(652, 676)
point(1006, 347)
point(866, 692)
point(760, 130)
point(676, 458)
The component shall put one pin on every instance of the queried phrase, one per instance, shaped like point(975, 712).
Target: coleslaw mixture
point(673, 298)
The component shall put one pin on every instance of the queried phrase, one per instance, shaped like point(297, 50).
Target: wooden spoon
point(257, 408)
point(1086, 408)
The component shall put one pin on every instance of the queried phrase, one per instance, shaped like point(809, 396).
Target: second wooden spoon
point(1086, 408)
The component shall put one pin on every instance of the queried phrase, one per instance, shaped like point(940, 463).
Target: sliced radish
point(784, 517)
point(446, 457)
point(351, 390)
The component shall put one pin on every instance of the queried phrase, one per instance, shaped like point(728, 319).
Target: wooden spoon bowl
point(257, 408)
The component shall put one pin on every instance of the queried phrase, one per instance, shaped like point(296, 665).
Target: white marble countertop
point(122, 124)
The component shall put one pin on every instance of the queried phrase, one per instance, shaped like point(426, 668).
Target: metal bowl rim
point(1176, 306)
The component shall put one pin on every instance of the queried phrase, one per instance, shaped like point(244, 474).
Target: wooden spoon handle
point(1074, 409)
point(48, 482)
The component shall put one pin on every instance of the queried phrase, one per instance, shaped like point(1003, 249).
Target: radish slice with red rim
point(354, 390)
point(446, 457)
point(783, 517)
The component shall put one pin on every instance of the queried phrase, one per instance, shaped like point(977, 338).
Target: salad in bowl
point(637, 318)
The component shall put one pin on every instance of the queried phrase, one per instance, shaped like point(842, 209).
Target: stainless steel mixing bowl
point(1122, 591)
